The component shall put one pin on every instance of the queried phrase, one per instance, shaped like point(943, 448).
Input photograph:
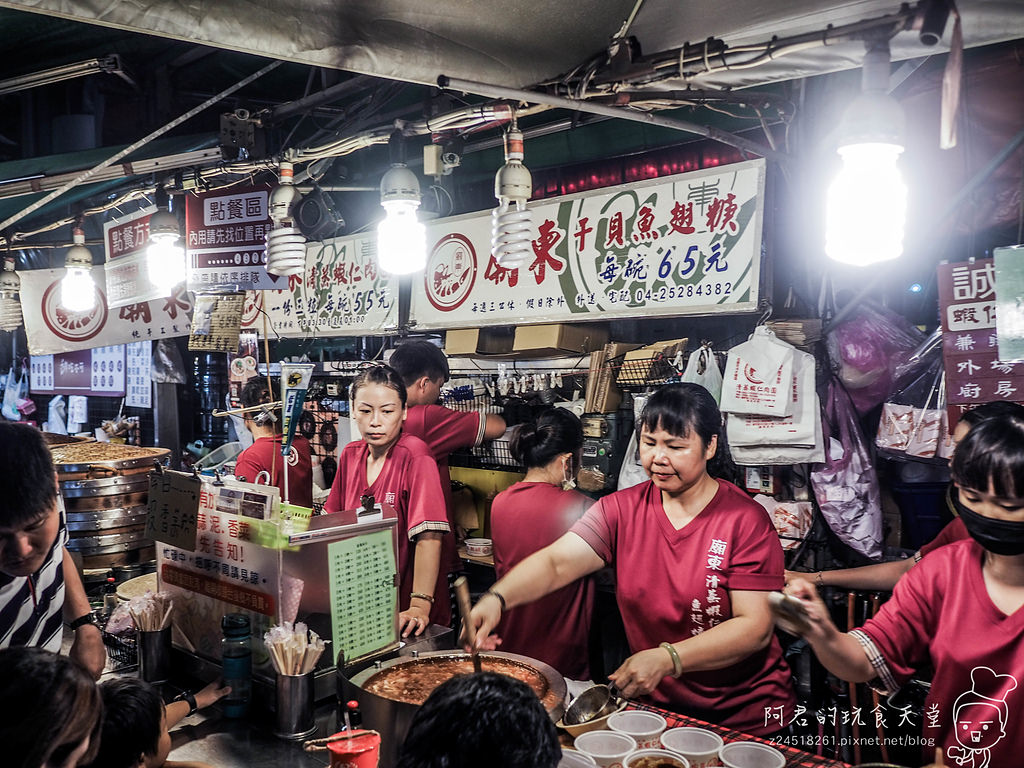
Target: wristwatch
point(81, 621)
point(189, 697)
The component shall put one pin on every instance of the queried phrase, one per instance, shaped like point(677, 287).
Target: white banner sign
point(139, 367)
point(679, 245)
point(126, 241)
point(51, 328)
point(341, 292)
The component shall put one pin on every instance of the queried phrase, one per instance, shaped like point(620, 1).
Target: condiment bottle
point(236, 661)
point(109, 596)
point(355, 717)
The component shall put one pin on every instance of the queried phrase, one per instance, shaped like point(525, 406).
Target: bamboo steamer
point(105, 487)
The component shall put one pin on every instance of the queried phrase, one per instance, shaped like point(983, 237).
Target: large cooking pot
point(392, 717)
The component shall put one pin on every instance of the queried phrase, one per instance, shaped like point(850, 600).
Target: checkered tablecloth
point(795, 758)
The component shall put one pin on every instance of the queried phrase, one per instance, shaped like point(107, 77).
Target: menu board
point(139, 374)
point(99, 372)
point(364, 594)
point(975, 372)
point(173, 508)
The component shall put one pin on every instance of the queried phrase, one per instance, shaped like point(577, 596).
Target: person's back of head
point(997, 409)
point(28, 484)
point(257, 392)
point(556, 431)
point(50, 710)
point(479, 720)
point(132, 724)
point(416, 358)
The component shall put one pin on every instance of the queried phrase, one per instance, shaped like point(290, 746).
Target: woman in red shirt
point(398, 470)
point(530, 515)
point(694, 559)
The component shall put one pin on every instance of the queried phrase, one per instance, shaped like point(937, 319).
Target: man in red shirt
point(262, 461)
point(424, 369)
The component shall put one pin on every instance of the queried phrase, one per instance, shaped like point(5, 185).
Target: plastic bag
point(167, 365)
point(57, 416)
point(792, 519)
point(846, 486)
point(702, 368)
point(914, 415)
point(867, 349)
point(631, 472)
point(15, 390)
point(784, 431)
point(758, 376)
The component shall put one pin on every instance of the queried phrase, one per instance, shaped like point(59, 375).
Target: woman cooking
point(694, 559)
point(399, 470)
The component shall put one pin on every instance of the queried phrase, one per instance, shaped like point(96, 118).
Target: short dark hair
point(996, 409)
point(257, 392)
point(684, 408)
point(475, 720)
point(416, 358)
point(379, 374)
point(132, 715)
point(48, 706)
point(27, 483)
point(537, 443)
point(992, 453)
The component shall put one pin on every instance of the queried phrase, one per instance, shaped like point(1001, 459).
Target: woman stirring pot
point(398, 470)
point(694, 559)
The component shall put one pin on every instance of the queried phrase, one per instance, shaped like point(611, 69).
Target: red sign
point(99, 372)
point(211, 586)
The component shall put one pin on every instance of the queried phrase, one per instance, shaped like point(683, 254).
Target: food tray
point(87, 457)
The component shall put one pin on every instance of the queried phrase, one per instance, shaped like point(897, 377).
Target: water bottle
point(236, 660)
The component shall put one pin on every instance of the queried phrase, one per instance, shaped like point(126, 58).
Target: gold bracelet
point(421, 596)
point(677, 663)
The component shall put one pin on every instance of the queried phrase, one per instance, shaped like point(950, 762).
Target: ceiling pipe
point(500, 92)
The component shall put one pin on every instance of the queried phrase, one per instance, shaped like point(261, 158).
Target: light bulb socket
point(78, 257)
point(163, 225)
point(399, 184)
point(513, 181)
point(873, 118)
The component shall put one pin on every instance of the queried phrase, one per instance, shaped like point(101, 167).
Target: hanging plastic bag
point(57, 416)
point(702, 368)
point(846, 486)
point(914, 415)
point(797, 430)
point(758, 376)
point(16, 389)
point(792, 519)
point(631, 472)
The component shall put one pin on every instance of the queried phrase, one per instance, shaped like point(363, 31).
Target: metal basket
point(122, 651)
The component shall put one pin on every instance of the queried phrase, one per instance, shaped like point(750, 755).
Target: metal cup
point(295, 718)
point(155, 655)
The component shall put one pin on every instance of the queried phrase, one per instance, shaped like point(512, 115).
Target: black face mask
point(1002, 537)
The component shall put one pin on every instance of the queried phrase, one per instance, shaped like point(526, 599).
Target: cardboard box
point(559, 339)
point(637, 364)
point(474, 341)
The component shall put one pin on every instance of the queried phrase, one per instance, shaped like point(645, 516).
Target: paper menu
point(364, 593)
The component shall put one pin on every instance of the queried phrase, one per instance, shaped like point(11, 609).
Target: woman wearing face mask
point(527, 517)
point(960, 611)
point(399, 470)
point(694, 560)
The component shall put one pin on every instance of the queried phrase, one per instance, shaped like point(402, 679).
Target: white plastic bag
point(758, 376)
point(702, 368)
point(16, 389)
point(796, 430)
point(57, 416)
point(631, 472)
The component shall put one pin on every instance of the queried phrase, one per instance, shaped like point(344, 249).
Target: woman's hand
point(414, 619)
point(817, 626)
point(642, 672)
point(483, 619)
point(211, 694)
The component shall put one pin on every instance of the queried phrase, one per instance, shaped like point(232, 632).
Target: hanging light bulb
point(401, 238)
point(77, 290)
point(286, 245)
point(866, 205)
point(10, 299)
point(165, 259)
point(511, 222)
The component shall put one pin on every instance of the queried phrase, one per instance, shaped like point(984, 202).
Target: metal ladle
point(597, 701)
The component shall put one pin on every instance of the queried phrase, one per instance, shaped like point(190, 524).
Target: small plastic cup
point(645, 727)
point(573, 759)
point(698, 745)
point(608, 748)
point(361, 750)
point(662, 758)
point(751, 754)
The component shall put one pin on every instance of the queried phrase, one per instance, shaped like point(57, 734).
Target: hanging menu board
point(970, 345)
point(139, 374)
point(99, 372)
point(364, 595)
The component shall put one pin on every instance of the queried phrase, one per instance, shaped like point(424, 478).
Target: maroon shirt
point(524, 518)
point(445, 430)
point(955, 530)
point(673, 585)
point(265, 455)
point(409, 483)
point(941, 615)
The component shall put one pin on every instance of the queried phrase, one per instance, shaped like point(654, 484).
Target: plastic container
point(698, 745)
point(218, 457)
point(645, 727)
point(609, 749)
point(236, 661)
point(662, 758)
point(751, 754)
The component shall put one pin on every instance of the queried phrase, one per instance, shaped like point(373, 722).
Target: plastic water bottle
point(236, 661)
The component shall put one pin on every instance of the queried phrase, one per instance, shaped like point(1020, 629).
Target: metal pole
point(977, 180)
point(88, 174)
point(533, 97)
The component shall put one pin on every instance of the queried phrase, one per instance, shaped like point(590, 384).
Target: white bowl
point(479, 547)
point(751, 754)
point(645, 727)
point(698, 745)
point(609, 749)
point(657, 757)
point(573, 759)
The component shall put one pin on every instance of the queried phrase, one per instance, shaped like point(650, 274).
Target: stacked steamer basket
point(105, 487)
